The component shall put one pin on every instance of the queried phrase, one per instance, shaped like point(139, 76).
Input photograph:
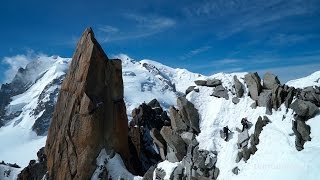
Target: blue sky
point(202, 36)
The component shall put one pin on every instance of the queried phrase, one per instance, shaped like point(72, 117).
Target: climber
point(226, 131)
point(245, 123)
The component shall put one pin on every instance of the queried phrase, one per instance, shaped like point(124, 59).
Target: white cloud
point(290, 39)
point(195, 52)
point(141, 27)
point(108, 29)
point(14, 63)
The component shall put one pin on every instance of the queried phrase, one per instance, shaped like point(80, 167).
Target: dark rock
point(200, 82)
point(213, 82)
point(160, 173)
point(239, 157)
point(235, 100)
point(189, 89)
point(243, 139)
point(299, 142)
point(189, 113)
point(254, 105)
point(269, 105)
point(238, 87)
point(270, 81)
point(253, 82)
point(304, 108)
point(263, 98)
point(90, 113)
point(177, 122)
point(289, 98)
point(154, 103)
point(149, 174)
point(177, 172)
point(174, 141)
point(220, 92)
point(311, 94)
point(304, 130)
point(160, 142)
point(235, 170)
point(196, 90)
point(188, 137)
point(35, 170)
point(278, 97)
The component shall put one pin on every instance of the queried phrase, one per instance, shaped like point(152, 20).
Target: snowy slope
point(146, 79)
point(277, 157)
point(19, 144)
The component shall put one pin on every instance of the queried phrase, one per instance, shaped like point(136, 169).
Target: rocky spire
point(90, 113)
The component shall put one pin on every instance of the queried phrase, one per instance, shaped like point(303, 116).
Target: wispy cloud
point(195, 52)
point(244, 15)
point(290, 39)
point(140, 27)
point(13, 63)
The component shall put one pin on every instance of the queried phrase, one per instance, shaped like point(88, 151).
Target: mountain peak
point(90, 113)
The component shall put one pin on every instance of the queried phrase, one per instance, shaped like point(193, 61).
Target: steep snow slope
point(311, 80)
point(277, 157)
point(18, 142)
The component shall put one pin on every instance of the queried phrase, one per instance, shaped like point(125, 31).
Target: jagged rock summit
point(90, 113)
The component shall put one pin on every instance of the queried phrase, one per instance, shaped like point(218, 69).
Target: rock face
point(220, 92)
point(90, 113)
point(35, 170)
point(189, 113)
point(253, 82)
point(144, 136)
point(270, 81)
point(238, 87)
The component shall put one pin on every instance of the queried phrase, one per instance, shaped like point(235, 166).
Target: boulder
point(189, 89)
point(188, 137)
point(304, 130)
point(235, 170)
point(289, 98)
point(243, 139)
point(175, 142)
point(149, 174)
point(269, 104)
point(154, 103)
point(188, 113)
point(90, 114)
point(213, 82)
point(238, 87)
point(263, 98)
point(253, 82)
point(177, 123)
point(299, 142)
point(220, 92)
point(159, 141)
point(270, 81)
point(235, 100)
point(311, 94)
point(304, 108)
point(200, 82)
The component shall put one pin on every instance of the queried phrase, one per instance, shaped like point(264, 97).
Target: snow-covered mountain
point(28, 111)
point(27, 102)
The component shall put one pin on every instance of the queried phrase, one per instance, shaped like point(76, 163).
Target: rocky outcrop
point(311, 94)
point(208, 83)
point(190, 89)
point(245, 151)
point(253, 82)
point(144, 135)
point(90, 113)
point(270, 81)
point(304, 108)
point(238, 86)
point(220, 92)
point(189, 114)
point(35, 169)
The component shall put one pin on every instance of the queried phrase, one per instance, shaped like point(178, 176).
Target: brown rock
point(90, 113)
